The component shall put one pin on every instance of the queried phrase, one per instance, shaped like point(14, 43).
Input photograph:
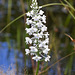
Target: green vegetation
point(60, 19)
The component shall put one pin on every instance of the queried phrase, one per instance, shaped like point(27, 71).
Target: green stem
point(12, 22)
point(71, 14)
point(69, 10)
point(37, 70)
point(40, 6)
point(25, 13)
point(69, 5)
point(51, 4)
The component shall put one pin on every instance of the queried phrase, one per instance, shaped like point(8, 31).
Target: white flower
point(41, 12)
point(39, 24)
point(33, 49)
point(46, 41)
point(35, 41)
point(44, 28)
point(46, 51)
point(34, 4)
point(47, 58)
point(33, 24)
point(28, 22)
point(46, 34)
point(32, 13)
point(27, 30)
point(31, 30)
point(45, 46)
point(32, 53)
point(36, 18)
point(28, 40)
point(40, 7)
point(37, 58)
point(38, 32)
point(41, 44)
point(43, 18)
point(37, 35)
point(27, 51)
point(28, 14)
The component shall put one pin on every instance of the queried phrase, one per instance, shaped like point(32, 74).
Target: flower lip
point(28, 40)
point(33, 49)
point(47, 58)
point(37, 58)
point(27, 51)
point(41, 12)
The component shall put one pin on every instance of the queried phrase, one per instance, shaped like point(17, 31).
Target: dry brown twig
point(73, 40)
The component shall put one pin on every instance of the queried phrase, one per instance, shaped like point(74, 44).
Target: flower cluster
point(38, 32)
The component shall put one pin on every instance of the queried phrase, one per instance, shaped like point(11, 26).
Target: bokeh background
point(12, 39)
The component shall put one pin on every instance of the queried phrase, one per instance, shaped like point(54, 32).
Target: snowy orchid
point(38, 32)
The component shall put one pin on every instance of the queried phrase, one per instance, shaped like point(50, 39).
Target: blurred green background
point(12, 39)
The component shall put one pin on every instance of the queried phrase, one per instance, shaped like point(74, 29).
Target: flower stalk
point(46, 5)
point(38, 39)
point(37, 70)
